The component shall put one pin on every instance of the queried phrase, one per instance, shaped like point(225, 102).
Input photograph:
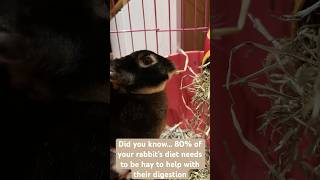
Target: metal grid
point(182, 29)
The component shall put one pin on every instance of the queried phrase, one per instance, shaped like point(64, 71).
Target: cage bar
point(130, 27)
point(156, 22)
point(144, 26)
point(182, 26)
point(169, 26)
point(117, 31)
point(195, 23)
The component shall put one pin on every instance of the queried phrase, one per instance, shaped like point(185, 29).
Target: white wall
point(137, 23)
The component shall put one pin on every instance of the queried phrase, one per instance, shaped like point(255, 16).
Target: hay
point(293, 87)
point(201, 103)
point(176, 132)
point(199, 126)
point(200, 87)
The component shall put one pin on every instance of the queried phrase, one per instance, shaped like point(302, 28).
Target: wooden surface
point(194, 40)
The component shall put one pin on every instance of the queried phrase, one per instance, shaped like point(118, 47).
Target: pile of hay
point(201, 103)
point(200, 87)
point(199, 125)
point(293, 87)
point(178, 133)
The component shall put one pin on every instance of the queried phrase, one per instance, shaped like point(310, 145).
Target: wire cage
point(163, 26)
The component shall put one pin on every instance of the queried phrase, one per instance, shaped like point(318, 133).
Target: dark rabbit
point(138, 100)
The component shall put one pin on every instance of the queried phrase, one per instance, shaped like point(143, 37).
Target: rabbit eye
point(147, 61)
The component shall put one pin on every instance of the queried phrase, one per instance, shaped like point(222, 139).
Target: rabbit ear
point(12, 48)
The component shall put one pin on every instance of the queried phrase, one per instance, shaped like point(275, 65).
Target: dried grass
point(293, 71)
point(176, 132)
point(199, 126)
point(200, 87)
